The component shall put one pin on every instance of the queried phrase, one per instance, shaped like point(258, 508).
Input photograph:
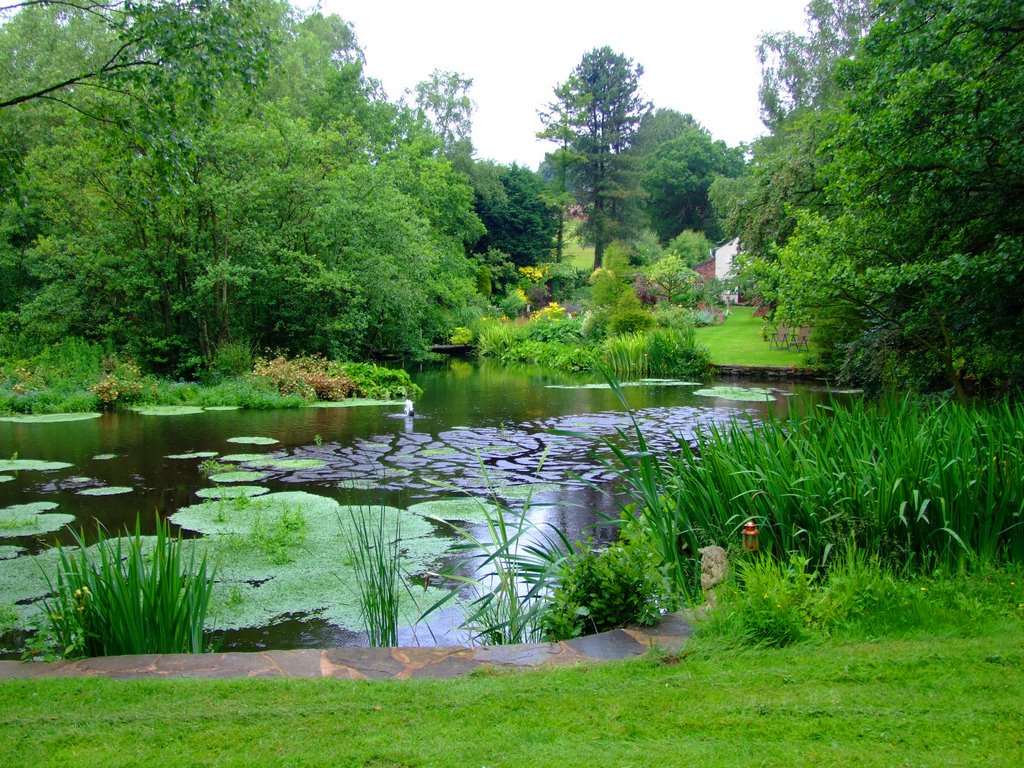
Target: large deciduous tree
point(920, 250)
point(600, 107)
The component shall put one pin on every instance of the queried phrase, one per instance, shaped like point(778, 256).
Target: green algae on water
point(50, 418)
point(253, 440)
point(319, 579)
point(467, 509)
point(232, 491)
point(193, 455)
point(240, 476)
point(107, 490)
point(739, 394)
point(31, 519)
point(15, 465)
point(167, 410)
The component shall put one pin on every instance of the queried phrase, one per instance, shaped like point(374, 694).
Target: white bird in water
point(408, 407)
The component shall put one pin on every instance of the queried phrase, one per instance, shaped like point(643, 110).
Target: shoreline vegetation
point(76, 376)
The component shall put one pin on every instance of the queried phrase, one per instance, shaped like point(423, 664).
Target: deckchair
point(801, 337)
point(781, 338)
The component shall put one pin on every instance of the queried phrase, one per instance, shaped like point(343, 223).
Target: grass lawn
point(946, 701)
point(581, 257)
point(738, 341)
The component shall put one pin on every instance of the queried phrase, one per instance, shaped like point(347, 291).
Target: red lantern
point(750, 535)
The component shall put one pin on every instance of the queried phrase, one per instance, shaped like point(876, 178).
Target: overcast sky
point(699, 56)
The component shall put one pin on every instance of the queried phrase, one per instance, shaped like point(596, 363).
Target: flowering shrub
point(120, 383)
point(553, 311)
point(533, 274)
point(312, 377)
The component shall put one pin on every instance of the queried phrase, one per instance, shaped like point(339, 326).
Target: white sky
point(699, 56)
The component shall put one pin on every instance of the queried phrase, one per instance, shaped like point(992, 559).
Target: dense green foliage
point(919, 487)
point(887, 208)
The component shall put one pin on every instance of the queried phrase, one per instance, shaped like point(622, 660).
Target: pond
point(478, 431)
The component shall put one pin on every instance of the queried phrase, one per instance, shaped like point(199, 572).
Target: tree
point(602, 112)
point(519, 221)
point(443, 102)
point(797, 70)
point(918, 260)
point(677, 178)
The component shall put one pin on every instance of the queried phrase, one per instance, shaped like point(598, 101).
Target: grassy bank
point(940, 701)
point(740, 341)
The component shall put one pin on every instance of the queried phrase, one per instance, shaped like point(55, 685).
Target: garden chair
point(801, 337)
point(781, 338)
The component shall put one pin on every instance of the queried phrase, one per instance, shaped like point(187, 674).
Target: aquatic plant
point(514, 569)
point(376, 556)
point(123, 596)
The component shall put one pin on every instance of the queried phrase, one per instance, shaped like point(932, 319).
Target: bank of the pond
point(937, 701)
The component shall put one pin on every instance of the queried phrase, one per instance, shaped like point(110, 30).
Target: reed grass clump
point(123, 596)
point(377, 558)
point(920, 486)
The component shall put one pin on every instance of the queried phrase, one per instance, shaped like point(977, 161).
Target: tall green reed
point(377, 558)
point(123, 596)
point(513, 569)
point(626, 355)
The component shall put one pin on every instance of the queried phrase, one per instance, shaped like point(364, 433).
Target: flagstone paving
point(357, 663)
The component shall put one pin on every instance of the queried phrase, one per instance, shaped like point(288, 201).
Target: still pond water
point(477, 430)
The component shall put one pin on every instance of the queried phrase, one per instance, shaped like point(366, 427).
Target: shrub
point(379, 382)
point(308, 377)
point(120, 384)
point(624, 321)
point(558, 328)
point(461, 335)
point(598, 591)
point(233, 358)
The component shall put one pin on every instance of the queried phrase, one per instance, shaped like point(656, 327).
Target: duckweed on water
point(167, 410)
point(241, 458)
point(294, 464)
point(31, 519)
point(318, 580)
point(466, 508)
point(232, 491)
point(49, 418)
point(109, 490)
point(253, 440)
point(739, 394)
point(237, 477)
point(15, 465)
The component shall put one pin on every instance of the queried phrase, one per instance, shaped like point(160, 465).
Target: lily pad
point(168, 410)
point(50, 418)
point(438, 452)
point(241, 458)
point(104, 456)
point(9, 551)
point(739, 394)
point(237, 477)
point(194, 455)
point(295, 464)
point(14, 465)
point(467, 508)
point(107, 490)
point(525, 491)
point(6, 478)
point(253, 440)
point(31, 519)
point(232, 491)
point(221, 408)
